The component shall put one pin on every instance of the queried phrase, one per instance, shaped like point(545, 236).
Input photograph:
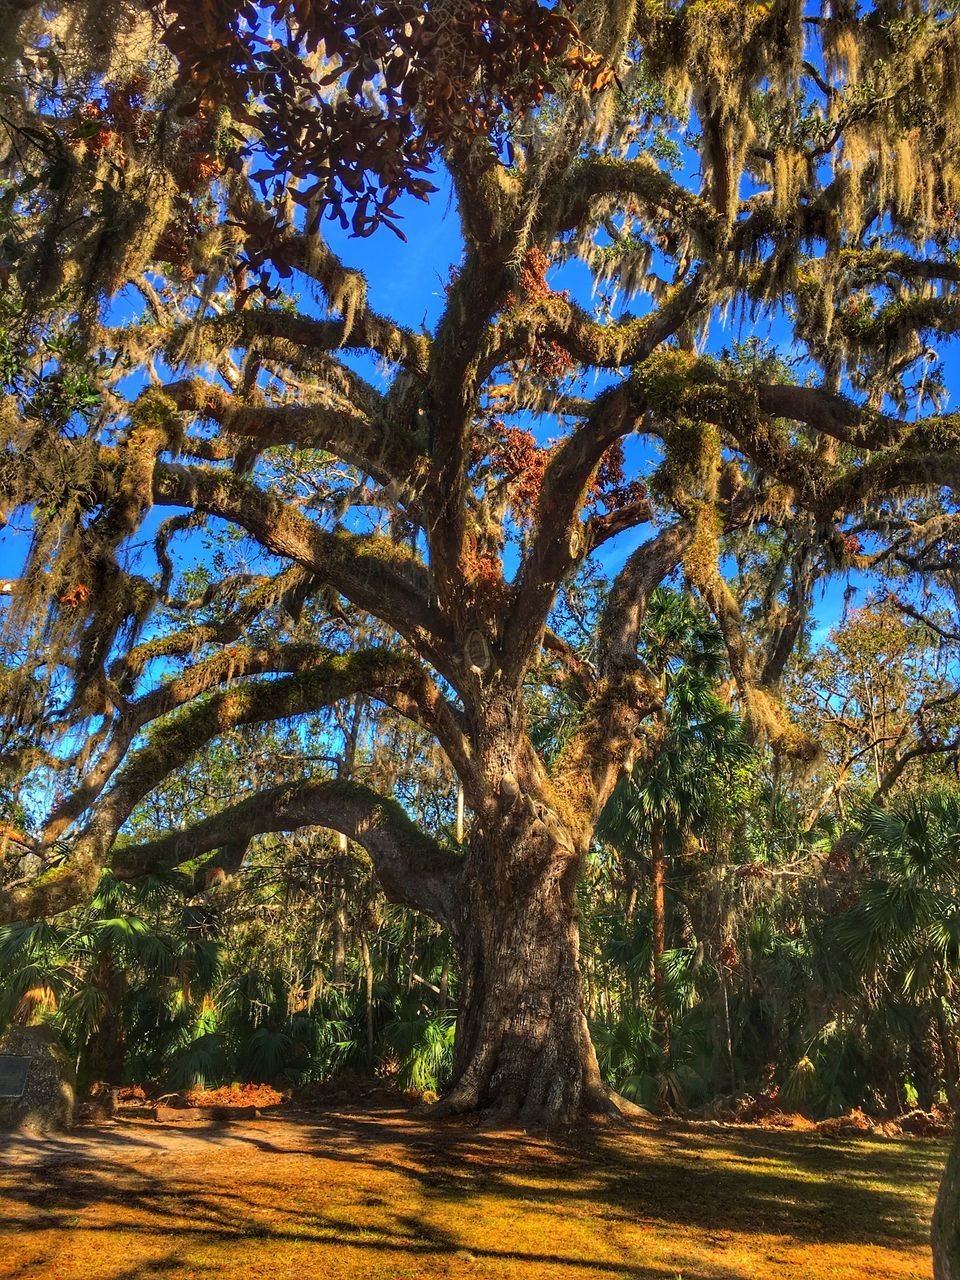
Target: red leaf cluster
point(397, 79)
point(851, 544)
point(76, 596)
point(533, 277)
point(516, 454)
point(484, 572)
point(610, 486)
point(547, 357)
point(525, 463)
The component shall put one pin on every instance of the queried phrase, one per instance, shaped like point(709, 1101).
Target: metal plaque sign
point(13, 1075)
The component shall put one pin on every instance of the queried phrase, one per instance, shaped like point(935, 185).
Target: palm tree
point(120, 963)
point(693, 741)
point(903, 934)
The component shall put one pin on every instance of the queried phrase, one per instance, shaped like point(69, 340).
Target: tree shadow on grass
point(435, 1179)
point(853, 1191)
point(56, 1199)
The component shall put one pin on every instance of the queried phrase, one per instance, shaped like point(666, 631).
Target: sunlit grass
point(384, 1195)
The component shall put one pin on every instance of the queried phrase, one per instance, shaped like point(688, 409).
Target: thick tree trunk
point(946, 1218)
point(523, 1050)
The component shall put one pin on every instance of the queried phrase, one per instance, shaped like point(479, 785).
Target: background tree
point(882, 695)
point(694, 744)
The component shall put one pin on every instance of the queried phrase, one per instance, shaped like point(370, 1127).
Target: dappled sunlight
point(386, 1193)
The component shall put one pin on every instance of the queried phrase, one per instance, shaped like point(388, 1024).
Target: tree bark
point(368, 1000)
point(338, 963)
point(523, 1049)
point(948, 1049)
point(104, 1055)
point(945, 1234)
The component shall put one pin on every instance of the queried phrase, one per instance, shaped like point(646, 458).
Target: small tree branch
point(591, 763)
point(379, 576)
point(389, 456)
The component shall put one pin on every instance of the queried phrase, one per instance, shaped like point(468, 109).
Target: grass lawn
point(381, 1192)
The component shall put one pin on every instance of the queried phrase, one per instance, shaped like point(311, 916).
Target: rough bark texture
point(522, 1047)
point(107, 1049)
point(523, 1050)
point(946, 1218)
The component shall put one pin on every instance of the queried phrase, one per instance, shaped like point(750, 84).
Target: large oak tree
point(794, 164)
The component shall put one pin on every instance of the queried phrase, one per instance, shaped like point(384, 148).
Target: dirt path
point(131, 1142)
point(382, 1193)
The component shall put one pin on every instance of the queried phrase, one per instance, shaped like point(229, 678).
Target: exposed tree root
point(598, 1102)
